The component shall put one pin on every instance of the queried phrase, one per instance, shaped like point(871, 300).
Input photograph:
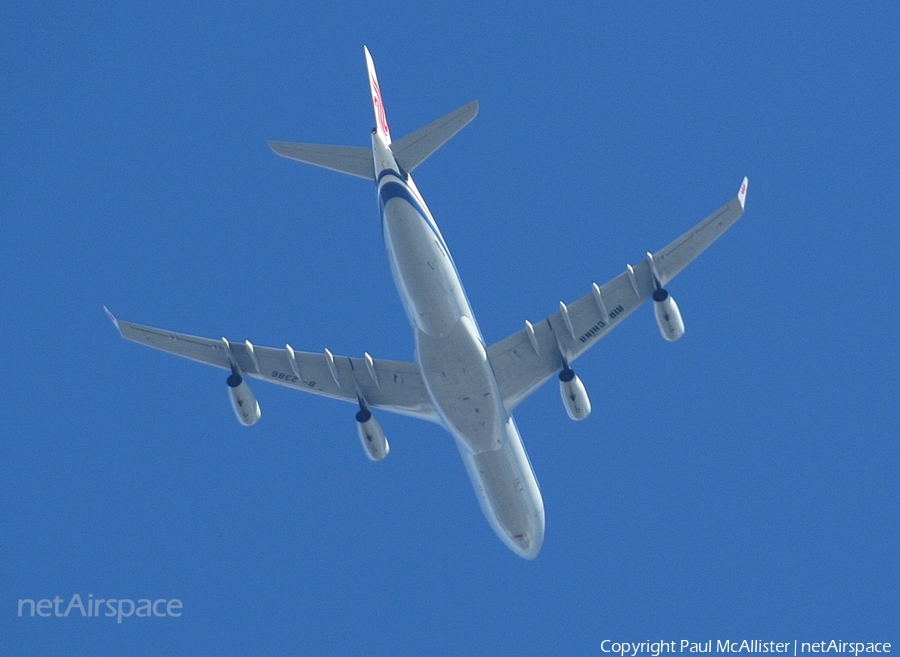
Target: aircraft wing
point(525, 360)
point(391, 385)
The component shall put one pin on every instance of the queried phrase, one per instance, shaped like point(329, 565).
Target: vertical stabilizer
point(381, 124)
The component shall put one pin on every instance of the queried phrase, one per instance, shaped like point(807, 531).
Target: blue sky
point(738, 484)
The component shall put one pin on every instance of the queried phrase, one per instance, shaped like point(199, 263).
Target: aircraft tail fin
point(410, 151)
point(381, 124)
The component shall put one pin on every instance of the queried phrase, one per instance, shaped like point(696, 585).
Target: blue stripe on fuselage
point(393, 189)
point(389, 172)
point(399, 189)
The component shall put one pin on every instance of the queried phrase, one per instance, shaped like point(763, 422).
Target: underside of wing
point(525, 360)
point(390, 385)
point(677, 255)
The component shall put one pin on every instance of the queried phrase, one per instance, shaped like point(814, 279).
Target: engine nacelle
point(243, 401)
point(371, 435)
point(668, 317)
point(573, 394)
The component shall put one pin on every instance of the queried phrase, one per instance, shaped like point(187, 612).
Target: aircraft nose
point(528, 544)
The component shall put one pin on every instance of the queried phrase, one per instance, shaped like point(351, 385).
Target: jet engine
point(573, 394)
point(371, 435)
point(243, 401)
point(668, 317)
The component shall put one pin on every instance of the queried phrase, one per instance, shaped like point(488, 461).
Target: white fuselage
point(451, 355)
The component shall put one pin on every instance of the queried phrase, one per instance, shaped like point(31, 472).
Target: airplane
point(456, 380)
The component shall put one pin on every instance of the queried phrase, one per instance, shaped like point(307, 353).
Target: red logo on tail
point(379, 109)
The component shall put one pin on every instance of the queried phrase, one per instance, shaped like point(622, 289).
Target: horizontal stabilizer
point(414, 148)
point(356, 161)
